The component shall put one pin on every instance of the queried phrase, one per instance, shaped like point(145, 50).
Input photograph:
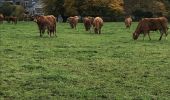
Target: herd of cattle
point(9, 19)
point(144, 26)
point(89, 22)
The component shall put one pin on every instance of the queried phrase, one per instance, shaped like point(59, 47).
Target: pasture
point(82, 65)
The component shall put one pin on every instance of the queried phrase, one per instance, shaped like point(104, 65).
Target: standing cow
point(73, 21)
point(1, 18)
point(52, 25)
point(88, 22)
point(46, 22)
point(97, 25)
point(128, 21)
point(12, 19)
point(151, 24)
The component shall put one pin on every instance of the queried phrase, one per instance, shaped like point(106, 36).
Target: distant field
point(82, 65)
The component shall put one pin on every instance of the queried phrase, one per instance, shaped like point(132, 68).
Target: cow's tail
point(97, 24)
point(55, 25)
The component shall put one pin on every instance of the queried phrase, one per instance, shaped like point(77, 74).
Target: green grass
point(82, 65)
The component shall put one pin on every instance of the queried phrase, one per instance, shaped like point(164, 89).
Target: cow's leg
point(166, 34)
point(54, 30)
point(90, 30)
point(72, 26)
point(48, 30)
point(55, 33)
point(149, 36)
point(39, 30)
point(75, 26)
point(99, 31)
point(43, 31)
point(40, 33)
point(50, 33)
point(161, 34)
point(144, 34)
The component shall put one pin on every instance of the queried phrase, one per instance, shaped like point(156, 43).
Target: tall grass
point(82, 65)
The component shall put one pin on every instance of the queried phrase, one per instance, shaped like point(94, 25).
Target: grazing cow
point(46, 22)
point(88, 21)
point(97, 25)
point(128, 22)
point(151, 24)
point(73, 21)
point(1, 18)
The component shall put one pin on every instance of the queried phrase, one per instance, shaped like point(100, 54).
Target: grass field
point(82, 65)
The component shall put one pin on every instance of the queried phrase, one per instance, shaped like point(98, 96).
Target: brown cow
point(73, 21)
point(151, 24)
point(128, 21)
point(52, 25)
point(88, 21)
point(97, 25)
point(46, 22)
point(12, 19)
point(1, 18)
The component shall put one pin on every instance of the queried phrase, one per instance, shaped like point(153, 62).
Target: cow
point(12, 19)
point(73, 21)
point(151, 24)
point(52, 25)
point(1, 18)
point(88, 21)
point(46, 22)
point(128, 21)
point(97, 25)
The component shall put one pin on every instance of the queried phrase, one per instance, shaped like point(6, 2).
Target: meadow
point(82, 65)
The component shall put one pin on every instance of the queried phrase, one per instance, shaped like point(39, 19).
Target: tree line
point(114, 9)
point(9, 9)
point(110, 10)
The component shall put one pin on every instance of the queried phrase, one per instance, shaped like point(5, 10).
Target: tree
point(7, 9)
point(111, 8)
point(83, 7)
point(70, 8)
point(19, 11)
point(54, 7)
point(148, 7)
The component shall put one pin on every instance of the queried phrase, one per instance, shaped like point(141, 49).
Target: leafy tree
point(83, 7)
point(70, 8)
point(19, 11)
point(111, 8)
point(54, 7)
point(156, 7)
point(7, 9)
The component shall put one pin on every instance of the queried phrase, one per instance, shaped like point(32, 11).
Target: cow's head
point(135, 36)
point(36, 18)
point(76, 17)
